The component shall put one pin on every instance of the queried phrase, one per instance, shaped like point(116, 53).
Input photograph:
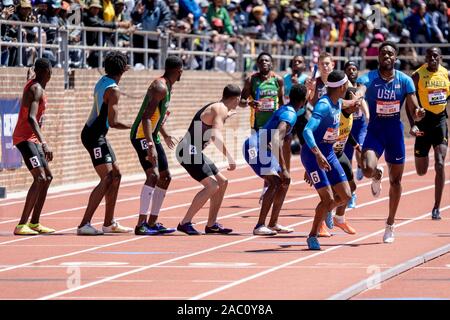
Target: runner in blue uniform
point(318, 157)
point(385, 90)
point(263, 152)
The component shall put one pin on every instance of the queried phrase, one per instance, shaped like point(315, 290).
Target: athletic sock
point(340, 219)
point(146, 198)
point(158, 198)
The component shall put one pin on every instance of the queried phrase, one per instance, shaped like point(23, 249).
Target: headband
point(337, 84)
point(350, 63)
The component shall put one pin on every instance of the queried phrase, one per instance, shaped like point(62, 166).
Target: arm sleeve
point(364, 80)
point(289, 117)
point(320, 111)
point(409, 83)
point(165, 15)
point(352, 140)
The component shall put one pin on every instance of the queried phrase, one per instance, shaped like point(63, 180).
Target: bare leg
point(36, 187)
point(395, 190)
point(325, 205)
point(273, 182)
point(340, 210)
point(111, 195)
point(42, 196)
point(104, 171)
point(369, 162)
point(210, 187)
point(278, 201)
point(216, 199)
point(440, 152)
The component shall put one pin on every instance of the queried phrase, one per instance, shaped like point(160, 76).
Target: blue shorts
point(388, 139)
point(259, 159)
point(320, 177)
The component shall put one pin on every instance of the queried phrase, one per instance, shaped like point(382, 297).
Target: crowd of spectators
point(361, 24)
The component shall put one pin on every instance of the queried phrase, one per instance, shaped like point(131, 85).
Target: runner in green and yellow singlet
point(265, 90)
point(147, 143)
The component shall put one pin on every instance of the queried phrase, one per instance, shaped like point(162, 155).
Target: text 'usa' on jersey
point(385, 98)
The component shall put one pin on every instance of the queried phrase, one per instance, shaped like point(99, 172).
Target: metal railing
point(200, 48)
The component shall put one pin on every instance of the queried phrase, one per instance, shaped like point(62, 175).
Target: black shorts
point(32, 154)
point(435, 129)
point(196, 163)
point(140, 145)
point(346, 165)
point(99, 149)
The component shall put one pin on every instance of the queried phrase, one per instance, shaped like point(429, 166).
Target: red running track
point(237, 266)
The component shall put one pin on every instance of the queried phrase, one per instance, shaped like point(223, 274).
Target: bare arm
point(280, 90)
point(415, 78)
point(36, 95)
point(246, 92)
point(112, 96)
point(412, 107)
point(155, 94)
point(277, 144)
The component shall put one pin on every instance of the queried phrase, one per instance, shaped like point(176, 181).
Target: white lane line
point(133, 215)
point(138, 179)
point(94, 283)
point(139, 238)
point(86, 187)
point(390, 273)
point(134, 239)
point(273, 269)
point(196, 187)
point(127, 298)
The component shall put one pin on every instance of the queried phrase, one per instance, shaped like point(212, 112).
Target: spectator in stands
point(372, 51)
point(238, 17)
point(129, 6)
point(286, 26)
point(91, 19)
point(398, 12)
point(256, 22)
point(419, 24)
point(190, 7)
point(6, 11)
point(410, 63)
point(108, 11)
point(225, 62)
point(123, 38)
point(23, 13)
point(150, 15)
point(218, 15)
point(270, 31)
point(439, 24)
point(443, 22)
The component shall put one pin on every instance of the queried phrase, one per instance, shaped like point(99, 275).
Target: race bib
point(267, 104)
point(192, 149)
point(34, 162)
point(339, 146)
point(387, 108)
point(331, 135)
point(358, 114)
point(437, 97)
point(252, 153)
point(144, 144)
